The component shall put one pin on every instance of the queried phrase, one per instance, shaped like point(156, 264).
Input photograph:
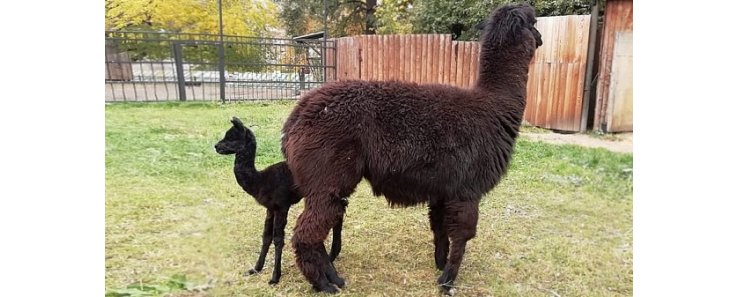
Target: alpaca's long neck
point(504, 69)
point(246, 174)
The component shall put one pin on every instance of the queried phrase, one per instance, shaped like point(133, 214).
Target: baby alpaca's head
point(239, 139)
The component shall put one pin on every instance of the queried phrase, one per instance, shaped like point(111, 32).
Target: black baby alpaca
point(273, 188)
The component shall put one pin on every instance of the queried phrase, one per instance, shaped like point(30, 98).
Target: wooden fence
point(425, 58)
point(556, 77)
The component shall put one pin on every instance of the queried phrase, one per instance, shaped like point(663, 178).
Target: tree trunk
point(370, 16)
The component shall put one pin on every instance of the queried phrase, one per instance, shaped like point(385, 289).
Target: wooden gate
point(613, 112)
point(619, 116)
point(557, 73)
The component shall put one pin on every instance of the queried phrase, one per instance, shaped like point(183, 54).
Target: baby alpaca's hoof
point(251, 271)
point(273, 281)
point(448, 291)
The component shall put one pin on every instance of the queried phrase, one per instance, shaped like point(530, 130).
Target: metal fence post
point(221, 72)
point(177, 51)
point(221, 62)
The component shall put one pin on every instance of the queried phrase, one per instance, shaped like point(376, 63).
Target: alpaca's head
point(511, 25)
point(238, 139)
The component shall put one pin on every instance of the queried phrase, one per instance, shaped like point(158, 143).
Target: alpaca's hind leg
point(313, 226)
point(281, 219)
point(462, 219)
point(441, 241)
point(266, 240)
point(336, 235)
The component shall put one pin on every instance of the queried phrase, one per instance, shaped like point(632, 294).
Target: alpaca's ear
point(507, 23)
point(517, 20)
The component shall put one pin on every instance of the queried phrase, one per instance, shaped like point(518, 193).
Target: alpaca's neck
point(246, 175)
point(504, 69)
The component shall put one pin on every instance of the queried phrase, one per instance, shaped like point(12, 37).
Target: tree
point(344, 17)
point(394, 17)
point(563, 7)
point(459, 18)
point(451, 17)
point(240, 17)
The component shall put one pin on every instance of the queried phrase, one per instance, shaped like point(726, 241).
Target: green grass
point(526, 128)
point(559, 223)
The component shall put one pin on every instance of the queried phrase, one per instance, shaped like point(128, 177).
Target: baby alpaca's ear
point(237, 122)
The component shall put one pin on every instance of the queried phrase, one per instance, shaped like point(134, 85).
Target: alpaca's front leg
point(462, 219)
point(266, 240)
point(281, 219)
point(312, 228)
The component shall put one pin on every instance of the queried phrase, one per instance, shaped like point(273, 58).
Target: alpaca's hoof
point(339, 282)
point(252, 271)
point(333, 277)
point(273, 281)
point(328, 289)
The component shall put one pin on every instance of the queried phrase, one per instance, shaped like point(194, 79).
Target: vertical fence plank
point(341, 52)
point(418, 51)
point(430, 58)
point(386, 57)
point(445, 59)
point(363, 57)
point(377, 57)
point(458, 64)
point(404, 58)
point(401, 60)
point(394, 69)
point(475, 63)
point(433, 61)
point(453, 62)
point(438, 60)
point(370, 63)
point(410, 57)
point(465, 64)
point(354, 57)
point(383, 56)
point(371, 52)
point(424, 58)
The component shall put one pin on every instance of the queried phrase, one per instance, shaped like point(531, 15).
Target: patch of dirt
point(619, 142)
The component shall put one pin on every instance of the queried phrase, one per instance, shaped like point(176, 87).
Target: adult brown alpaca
point(434, 144)
point(273, 188)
